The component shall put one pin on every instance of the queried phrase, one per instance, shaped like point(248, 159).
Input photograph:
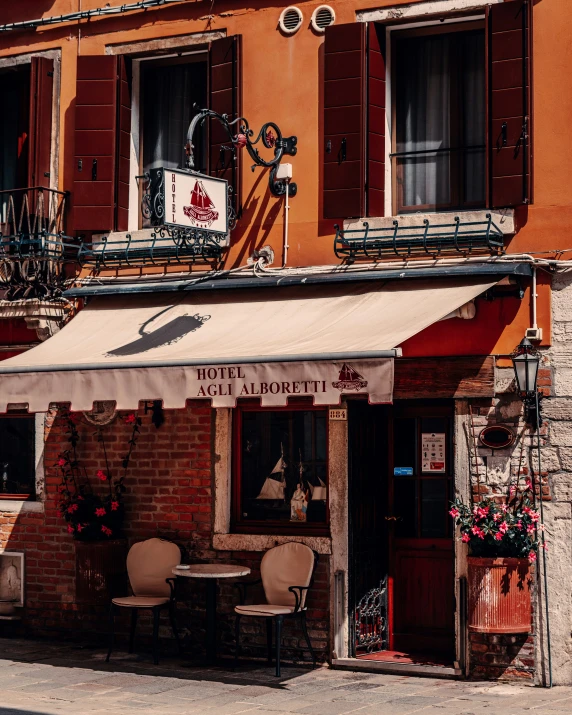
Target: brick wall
point(169, 495)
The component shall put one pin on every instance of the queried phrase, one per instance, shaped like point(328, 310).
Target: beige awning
point(322, 341)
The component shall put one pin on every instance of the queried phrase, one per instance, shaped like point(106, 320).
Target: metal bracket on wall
point(241, 136)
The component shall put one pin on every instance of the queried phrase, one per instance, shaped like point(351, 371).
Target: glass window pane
point(284, 472)
point(405, 507)
point(405, 443)
point(169, 93)
point(17, 468)
point(434, 503)
point(472, 57)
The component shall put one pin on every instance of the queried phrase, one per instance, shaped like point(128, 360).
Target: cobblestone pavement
point(45, 678)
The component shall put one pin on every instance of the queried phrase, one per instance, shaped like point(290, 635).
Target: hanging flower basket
point(499, 595)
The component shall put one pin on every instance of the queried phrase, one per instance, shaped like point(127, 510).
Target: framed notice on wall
point(433, 451)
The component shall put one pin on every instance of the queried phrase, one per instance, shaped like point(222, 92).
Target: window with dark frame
point(280, 470)
point(14, 127)
point(17, 457)
point(439, 143)
point(171, 92)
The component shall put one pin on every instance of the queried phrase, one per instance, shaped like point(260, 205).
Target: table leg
point(211, 585)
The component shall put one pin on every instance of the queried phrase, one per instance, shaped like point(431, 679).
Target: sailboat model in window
point(202, 211)
point(275, 483)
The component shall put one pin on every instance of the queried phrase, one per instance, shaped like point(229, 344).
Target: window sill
point(503, 218)
point(19, 506)
point(263, 542)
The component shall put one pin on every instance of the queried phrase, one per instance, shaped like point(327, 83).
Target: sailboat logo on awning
point(202, 211)
point(349, 379)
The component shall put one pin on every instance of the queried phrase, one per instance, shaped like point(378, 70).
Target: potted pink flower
point(503, 543)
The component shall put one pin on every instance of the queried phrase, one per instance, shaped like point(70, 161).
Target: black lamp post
point(526, 361)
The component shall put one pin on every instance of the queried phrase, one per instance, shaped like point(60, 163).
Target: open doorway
point(401, 581)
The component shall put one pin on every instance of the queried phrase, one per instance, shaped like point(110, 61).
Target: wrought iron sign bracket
point(241, 136)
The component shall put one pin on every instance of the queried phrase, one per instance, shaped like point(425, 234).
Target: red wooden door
point(421, 602)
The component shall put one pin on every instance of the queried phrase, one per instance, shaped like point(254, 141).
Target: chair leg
point(111, 631)
point(278, 620)
point(269, 639)
point(307, 637)
point(134, 614)
point(174, 627)
point(156, 614)
point(236, 640)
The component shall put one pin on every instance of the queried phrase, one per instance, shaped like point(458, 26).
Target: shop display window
point(280, 474)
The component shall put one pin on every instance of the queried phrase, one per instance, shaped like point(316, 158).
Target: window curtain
point(441, 106)
point(169, 93)
point(473, 62)
point(423, 119)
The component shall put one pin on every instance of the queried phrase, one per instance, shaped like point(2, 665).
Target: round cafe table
point(211, 572)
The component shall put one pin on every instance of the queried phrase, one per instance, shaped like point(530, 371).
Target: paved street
point(38, 677)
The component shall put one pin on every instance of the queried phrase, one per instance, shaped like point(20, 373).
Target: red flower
point(503, 528)
point(498, 536)
point(61, 462)
point(114, 505)
point(478, 532)
point(466, 538)
point(101, 475)
point(79, 527)
point(532, 556)
point(454, 512)
point(71, 508)
point(70, 529)
point(530, 529)
point(106, 530)
point(130, 419)
point(100, 512)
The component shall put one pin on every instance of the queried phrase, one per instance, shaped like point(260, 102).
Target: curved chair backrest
point(149, 563)
point(287, 565)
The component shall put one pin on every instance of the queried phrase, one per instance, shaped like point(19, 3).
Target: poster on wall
point(433, 452)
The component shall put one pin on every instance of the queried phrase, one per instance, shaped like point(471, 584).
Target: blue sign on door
point(403, 471)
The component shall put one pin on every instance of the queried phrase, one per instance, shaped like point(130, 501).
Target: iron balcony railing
point(33, 242)
point(164, 245)
point(408, 240)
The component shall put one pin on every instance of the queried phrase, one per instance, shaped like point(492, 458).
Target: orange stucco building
point(418, 223)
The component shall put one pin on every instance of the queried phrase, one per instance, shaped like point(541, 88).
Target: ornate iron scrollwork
point(240, 136)
point(370, 620)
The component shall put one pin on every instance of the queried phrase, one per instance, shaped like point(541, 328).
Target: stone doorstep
point(377, 666)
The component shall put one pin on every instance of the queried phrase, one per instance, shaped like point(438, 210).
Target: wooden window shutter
point(354, 120)
point(225, 97)
point(509, 150)
point(102, 135)
point(41, 101)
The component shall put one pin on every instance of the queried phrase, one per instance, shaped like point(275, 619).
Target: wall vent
point(322, 17)
point(290, 20)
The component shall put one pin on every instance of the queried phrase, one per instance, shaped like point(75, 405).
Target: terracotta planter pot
point(499, 595)
point(100, 571)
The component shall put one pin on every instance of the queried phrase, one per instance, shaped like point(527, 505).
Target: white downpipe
point(286, 211)
point(534, 296)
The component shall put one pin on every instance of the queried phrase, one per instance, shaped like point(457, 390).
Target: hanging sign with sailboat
point(193, 200)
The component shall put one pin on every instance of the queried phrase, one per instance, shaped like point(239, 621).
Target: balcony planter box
point(100, 571)
point(499, 595)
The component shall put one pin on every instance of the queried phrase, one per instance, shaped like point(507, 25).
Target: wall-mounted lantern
point(526, 361)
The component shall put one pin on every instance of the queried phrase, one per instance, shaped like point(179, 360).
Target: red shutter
point(375, 137)
point(41, 100)
point(509, 89)
point(100, 104)
point(124, 145)
point(225, 92)
point(344, 120)
point(354, 120)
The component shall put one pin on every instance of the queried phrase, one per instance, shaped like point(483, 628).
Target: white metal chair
point(286, 574)
point(149, 566)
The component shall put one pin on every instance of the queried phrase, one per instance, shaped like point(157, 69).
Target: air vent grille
point(290, 20)
point(322, 17)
